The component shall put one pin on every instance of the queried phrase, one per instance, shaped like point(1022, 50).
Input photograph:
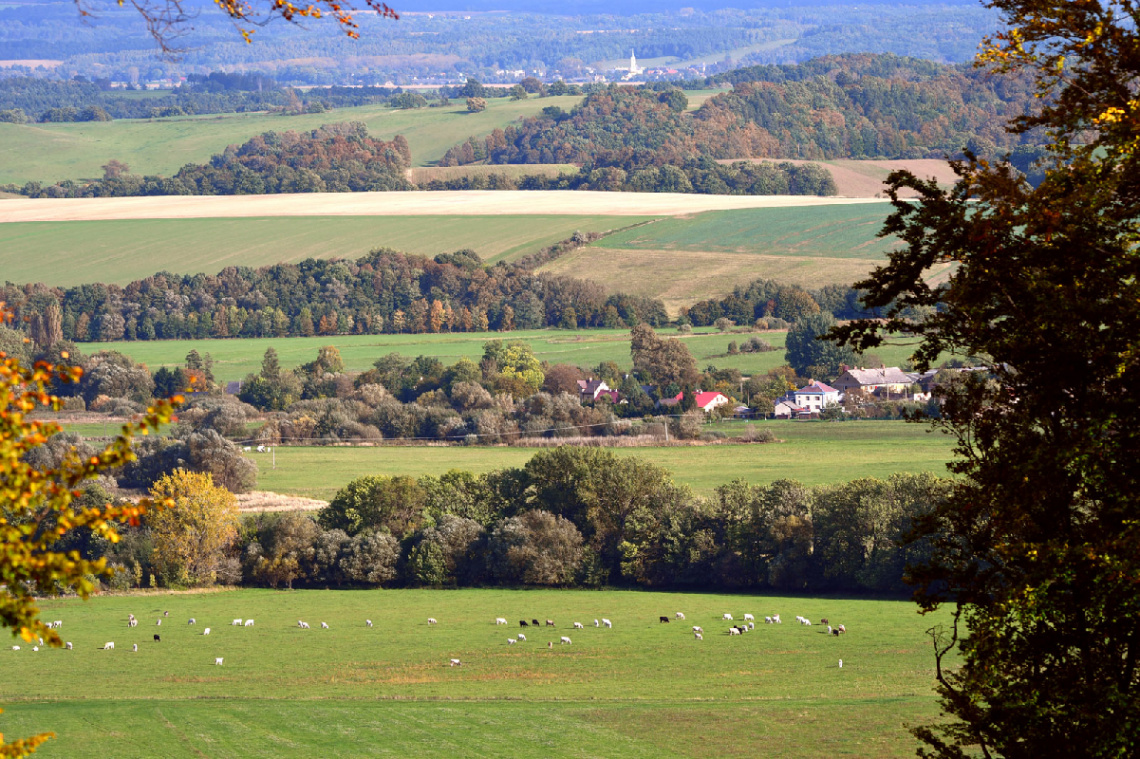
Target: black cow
point(522, 623)
point(664, 619)
point(534, 622)
point(156, 638)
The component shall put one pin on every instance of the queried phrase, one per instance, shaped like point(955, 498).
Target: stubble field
point(640, 689)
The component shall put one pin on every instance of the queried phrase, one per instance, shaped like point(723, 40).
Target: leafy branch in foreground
point(1039, 546)
point(37, 505)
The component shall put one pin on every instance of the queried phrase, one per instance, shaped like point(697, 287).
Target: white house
point(816, 397)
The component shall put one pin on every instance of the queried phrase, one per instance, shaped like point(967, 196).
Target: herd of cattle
point(748, 624)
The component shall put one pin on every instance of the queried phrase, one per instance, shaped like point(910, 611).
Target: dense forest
point(385, 291)
point(852, 106)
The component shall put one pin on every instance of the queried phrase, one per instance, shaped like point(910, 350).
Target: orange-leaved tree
point(38, 505)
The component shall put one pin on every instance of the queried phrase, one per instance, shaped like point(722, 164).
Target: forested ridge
point(849, 106)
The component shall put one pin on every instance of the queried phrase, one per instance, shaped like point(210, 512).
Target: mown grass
point(78, 252)
point(51, 152)
point(813, 452)
point(641, 688)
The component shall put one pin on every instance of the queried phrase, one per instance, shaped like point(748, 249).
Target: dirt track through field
point(467, 203)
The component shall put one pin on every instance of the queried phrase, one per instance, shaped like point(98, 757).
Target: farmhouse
point(888, 381)
point(788, 409)
point(706, 401)
point(589, 390)
point(816, 397)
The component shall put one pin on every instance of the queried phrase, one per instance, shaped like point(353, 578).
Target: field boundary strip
point(448, 203)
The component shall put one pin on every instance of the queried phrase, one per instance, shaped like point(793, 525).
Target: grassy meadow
point(813, 452)
point(640, 689)
point(236, 357)
point(51, 152)
point(120, 252)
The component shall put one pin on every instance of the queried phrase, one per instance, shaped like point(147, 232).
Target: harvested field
point(865, 179)
point(426, 174)
point(465, 203)
point(261, 501)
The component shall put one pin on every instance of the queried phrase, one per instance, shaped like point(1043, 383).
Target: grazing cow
point(596, 623)
point(776, 619)
point(68, 645)
point(41, 641)
point(550, 623)
point(697, 629)
point(841, 629)
point(236, 623)
point(767, 620)
point(834, 632)
point(511, 641)
point(15, 648)
point(727, 617)
point(522, 637)
point(157, 638)
point(132, 622)
point(37, 648)
point(218, 661)
point(749, 618)
point(109, 645)
point(500, 620)
point(607, 623)
point(432, 621)
point(166, 614)
point(823, 621)
point(368, 622)
point(261, 449)
point(192, 621)
point(534, 622)
point(550, 644)
point(249, 623)
point(742, 628)
point(679, 615)
point(807, 622)
point(522, 623)
point(733, 631)
point(579, 626)
point(841, 664)
point(698, 636)
point(324, 625)
point(246, 449)
point(206, 631)
point(456, 663)
point(158, 622)
point(663, 619)
point(564, 640)
point(134, 648)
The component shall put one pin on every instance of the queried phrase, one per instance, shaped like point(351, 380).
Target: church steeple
point(633, 69)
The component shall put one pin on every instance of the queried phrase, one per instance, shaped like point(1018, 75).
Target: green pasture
point(52, 152)
point(813, 452)
point(78, 252)
point(640, 689)
point(236, 357)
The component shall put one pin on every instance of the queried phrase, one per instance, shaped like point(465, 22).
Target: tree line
point(569, 517)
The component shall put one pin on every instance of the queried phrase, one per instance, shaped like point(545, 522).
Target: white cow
point(132, 622)
point(500, 621)
point(158, 622)
point(564, 640)
point(841, 664)
point(727, 617)
point(432, 621)
point(579, 626)
point(246, 448)
point(697, 629)
point(135, 648)
point(68, 645)
point(733, 631)
point(192, 621)
point(776, 619)
point(206, 631)
point(236, 623)
point(368, 622)
point(15, 648)
point(456, 663)
point(679, 615)
point(218, 661)
point(324, 625)
point(261, 449)
point(249, 623)
point(607, 623)
point(698, 636)
point(511, 641)
point(109, 645)
point(522, 637)
point(595, 623)
point(749, 617)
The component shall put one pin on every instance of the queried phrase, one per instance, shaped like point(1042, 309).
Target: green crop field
point(79, 252)
point(685, 259)
point(813, 452)
point(236, 357)
point(51, 152)
point(640, 689)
